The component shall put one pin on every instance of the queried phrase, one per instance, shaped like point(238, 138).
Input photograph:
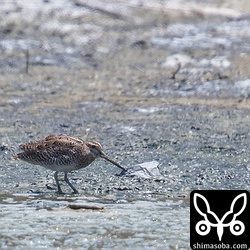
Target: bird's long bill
point(113, 162)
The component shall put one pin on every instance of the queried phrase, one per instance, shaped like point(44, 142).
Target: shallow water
point(38, 222)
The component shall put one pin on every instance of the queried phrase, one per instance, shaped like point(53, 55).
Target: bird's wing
point(63, 138)
point(46, 151)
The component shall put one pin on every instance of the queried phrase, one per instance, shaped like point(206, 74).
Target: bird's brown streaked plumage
point(62, 153)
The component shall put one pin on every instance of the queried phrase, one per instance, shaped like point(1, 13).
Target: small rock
point(178, 59)
point(76, 206)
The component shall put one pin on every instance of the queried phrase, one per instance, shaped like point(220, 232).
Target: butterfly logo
point(203, 227)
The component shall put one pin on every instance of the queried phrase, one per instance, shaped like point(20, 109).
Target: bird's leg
point(57, 183)
point(67, 180)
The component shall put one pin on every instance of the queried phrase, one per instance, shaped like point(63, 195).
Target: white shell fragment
point(145, 170)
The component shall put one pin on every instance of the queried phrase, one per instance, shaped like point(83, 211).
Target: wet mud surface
point(167, 83)
point(47, 223)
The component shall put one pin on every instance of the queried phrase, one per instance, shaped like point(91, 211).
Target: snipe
point(62, 153)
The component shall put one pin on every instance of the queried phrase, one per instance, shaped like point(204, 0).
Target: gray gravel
point(152, 82)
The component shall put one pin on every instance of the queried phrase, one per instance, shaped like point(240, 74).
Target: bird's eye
point(93, 146)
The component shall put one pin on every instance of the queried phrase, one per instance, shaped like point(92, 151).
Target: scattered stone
point(77, 206)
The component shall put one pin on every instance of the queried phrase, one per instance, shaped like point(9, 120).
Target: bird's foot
point(75, 192)
point(59, 191)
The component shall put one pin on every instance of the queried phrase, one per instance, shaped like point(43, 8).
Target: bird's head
point(95, 148)
point(97, 151)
